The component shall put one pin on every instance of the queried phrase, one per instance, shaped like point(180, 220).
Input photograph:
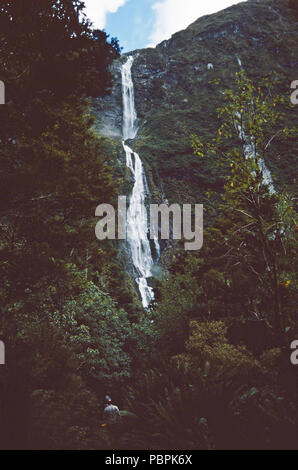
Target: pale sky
point(143, 23)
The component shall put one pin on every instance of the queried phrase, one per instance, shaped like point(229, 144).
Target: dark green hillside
point(176, 93)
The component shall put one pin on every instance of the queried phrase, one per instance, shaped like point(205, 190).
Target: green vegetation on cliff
point(178, 92)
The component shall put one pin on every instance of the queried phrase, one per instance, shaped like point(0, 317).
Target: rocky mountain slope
point(179, 86)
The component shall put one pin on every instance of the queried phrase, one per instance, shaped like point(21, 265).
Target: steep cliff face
point(180, 83)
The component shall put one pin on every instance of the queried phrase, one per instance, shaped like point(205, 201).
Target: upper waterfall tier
point(129, 112)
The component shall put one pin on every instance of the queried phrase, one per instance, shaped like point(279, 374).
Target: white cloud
point(97, 10)
point(174, 15)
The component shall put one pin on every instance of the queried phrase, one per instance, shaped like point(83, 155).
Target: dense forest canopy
point(207, 365)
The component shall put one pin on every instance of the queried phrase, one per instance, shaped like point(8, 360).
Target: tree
point(261, 232)
point(54, 171)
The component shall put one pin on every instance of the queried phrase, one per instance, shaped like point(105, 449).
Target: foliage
point(205, 409)
point(222, 312)
point(54, 172)
point(262, 232)
point(208, 344)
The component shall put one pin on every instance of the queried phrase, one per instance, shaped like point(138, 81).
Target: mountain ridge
point(179, 85)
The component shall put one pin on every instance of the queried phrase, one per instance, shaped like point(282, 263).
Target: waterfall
point(137, 223)
point(129, 110)
point(249, 152)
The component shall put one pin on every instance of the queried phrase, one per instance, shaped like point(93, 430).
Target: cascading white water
point(137, 224)
point(129, 110)
point(249, 152)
